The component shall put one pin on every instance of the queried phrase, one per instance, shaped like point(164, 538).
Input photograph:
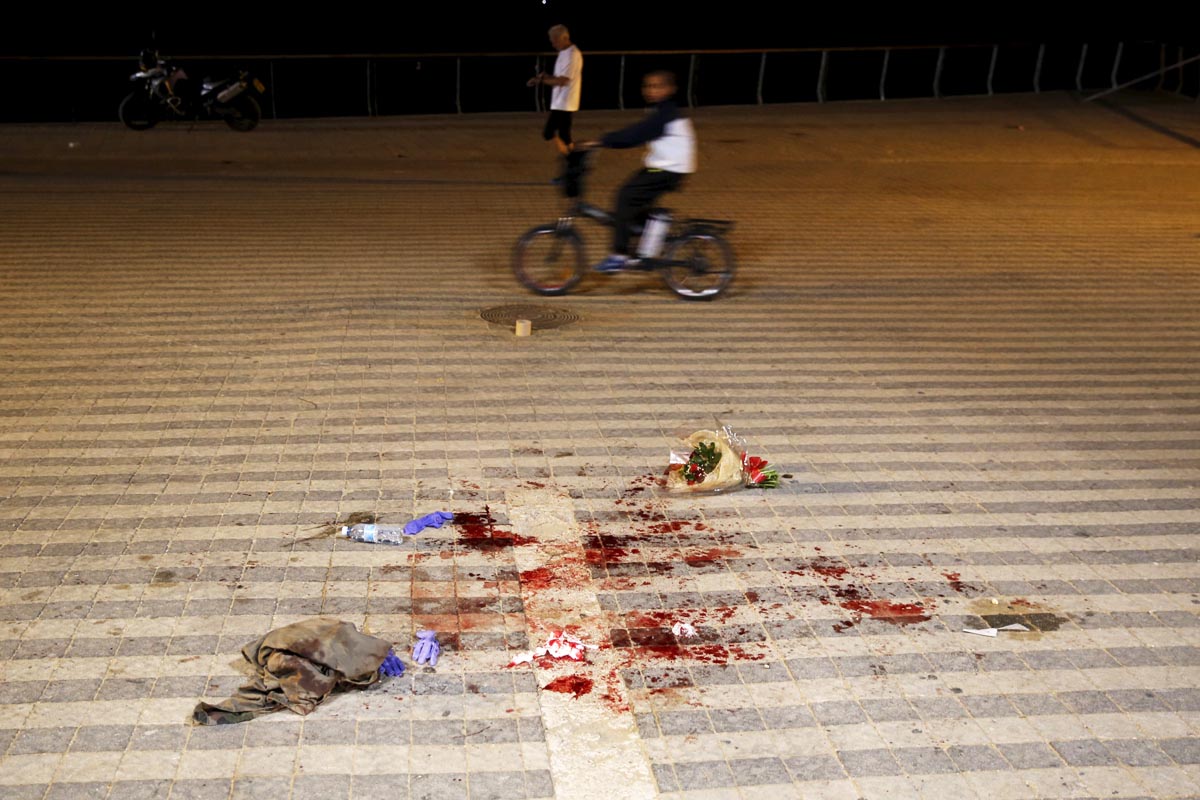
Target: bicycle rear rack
point(716, 224)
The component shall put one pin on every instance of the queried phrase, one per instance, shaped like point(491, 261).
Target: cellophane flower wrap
point(710, 461)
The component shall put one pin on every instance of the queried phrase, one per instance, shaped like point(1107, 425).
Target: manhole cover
point(540, 317)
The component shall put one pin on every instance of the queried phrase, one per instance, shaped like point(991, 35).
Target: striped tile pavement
point(966, 331)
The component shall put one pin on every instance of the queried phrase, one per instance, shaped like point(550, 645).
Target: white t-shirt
point(568, 65)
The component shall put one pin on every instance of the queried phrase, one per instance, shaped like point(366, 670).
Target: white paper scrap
point(683, 630)
point(981, 631)
point(559, 645)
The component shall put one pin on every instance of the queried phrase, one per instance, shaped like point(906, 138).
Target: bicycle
point(695, 262)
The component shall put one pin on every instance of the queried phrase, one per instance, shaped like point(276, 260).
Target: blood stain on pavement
point(888, 611)
point(955, 579)
point(479, 531)
point(577, 685)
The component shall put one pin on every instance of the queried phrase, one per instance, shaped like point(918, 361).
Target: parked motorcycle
point(167, 93)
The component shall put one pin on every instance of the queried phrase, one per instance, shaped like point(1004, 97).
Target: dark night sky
point(508, 25)
point(74, 89)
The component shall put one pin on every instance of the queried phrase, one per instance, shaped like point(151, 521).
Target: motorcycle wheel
point(137, 112)
point(242, 113)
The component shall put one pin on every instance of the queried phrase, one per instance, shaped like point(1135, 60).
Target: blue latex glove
point(392, 666)
point(427, 649)
point(433, 520)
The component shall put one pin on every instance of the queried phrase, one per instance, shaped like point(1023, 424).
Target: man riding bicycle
point(670, 156)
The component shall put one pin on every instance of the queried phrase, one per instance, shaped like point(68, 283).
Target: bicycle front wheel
point(549, 260)
point(700, 265)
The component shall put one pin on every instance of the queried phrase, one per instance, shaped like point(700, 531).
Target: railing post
point(1181, 77)
point(1037, 70)
point(1179, 89)
point(1117, 63)
point(937, 73)
point(887, 55)
point(271, 70)
point(621, 85)
point(692, 82)
point(821, 76)
point(762, 71)
point(369, 88)
point(458, 83)
point(992, 67)
point(1079, 72)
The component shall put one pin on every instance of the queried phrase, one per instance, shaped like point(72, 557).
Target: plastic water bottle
point(653, 235)
point(374, 534)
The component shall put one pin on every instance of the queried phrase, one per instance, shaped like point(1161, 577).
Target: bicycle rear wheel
point(549, 260)
point(703, 265)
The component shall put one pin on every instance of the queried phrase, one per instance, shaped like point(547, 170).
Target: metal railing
point(375, 84)
point(1160, 73)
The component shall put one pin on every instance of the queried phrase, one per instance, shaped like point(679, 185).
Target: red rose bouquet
point(716, 461)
